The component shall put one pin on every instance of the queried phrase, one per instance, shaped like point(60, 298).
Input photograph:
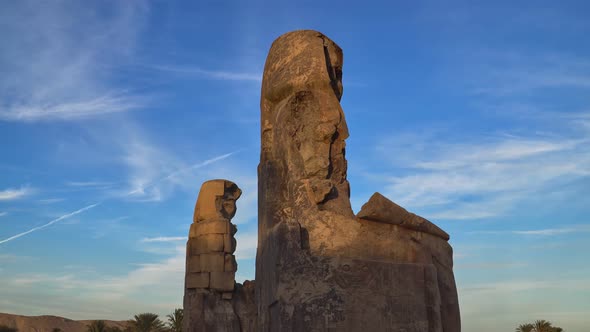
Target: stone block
point(208, 243)
point(191, 247)
point(222, 281)
point(219, 226)
point(212, 262)
point(197, 280)
point(380, 209)
point(193, 264)
point(230, 263)
point(227, 295)
point(229, 244)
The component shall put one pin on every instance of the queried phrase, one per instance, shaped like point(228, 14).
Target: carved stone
point(318, 266)
point(209, 301)
point(381, 209)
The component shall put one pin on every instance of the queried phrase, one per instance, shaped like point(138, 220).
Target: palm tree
point(97, 326)
point(525, 328)
point(146, 322)
point(175, 320)
point(542, 326)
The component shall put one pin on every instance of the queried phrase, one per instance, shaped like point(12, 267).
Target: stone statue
point(318, 266)
point(212, 299)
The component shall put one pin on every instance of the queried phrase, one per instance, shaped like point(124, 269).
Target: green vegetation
point(175, 320)
point(146, 322)
point(101, 326)
point(538, 326)
point(97, 326)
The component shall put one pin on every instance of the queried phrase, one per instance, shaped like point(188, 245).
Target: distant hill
point(48, 323)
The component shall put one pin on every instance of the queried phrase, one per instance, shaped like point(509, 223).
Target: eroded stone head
point(210, 261)
point(212, 299)
point(217, 200)
point(302, 60)
point(303, 125)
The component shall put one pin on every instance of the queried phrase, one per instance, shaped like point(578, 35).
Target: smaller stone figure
point(212, 299)
point(210, 261)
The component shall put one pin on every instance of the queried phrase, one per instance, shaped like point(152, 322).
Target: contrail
point(198, 165)
point(65, 216)
point(182, 170)
point(163, 239)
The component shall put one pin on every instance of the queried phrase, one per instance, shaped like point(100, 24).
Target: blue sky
point(475, 115)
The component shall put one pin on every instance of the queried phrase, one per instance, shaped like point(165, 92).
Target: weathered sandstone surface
point(319, 267)
point(212, 299)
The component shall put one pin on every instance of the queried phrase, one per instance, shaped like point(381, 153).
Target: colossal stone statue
point(212, 300)
point(318, 266)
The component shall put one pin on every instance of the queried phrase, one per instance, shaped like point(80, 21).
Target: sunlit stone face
point(217, 200)
point(302, 120)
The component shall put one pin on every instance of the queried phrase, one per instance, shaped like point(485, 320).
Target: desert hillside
point(49, 323)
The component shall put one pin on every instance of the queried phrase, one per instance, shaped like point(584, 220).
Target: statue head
point(302, 60)
point(303, 125)
point(217, 201)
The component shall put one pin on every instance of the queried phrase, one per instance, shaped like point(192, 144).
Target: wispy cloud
point(152, 273)
point(104, 227)
point(524, 285)
point(70, 110)
point(51, 200)
point(178, 172)
point(246, 248)
point(52, 71)
point(246, 245)
point(29, 280)
point(210, 74)
point(2, 214)
point(553, 231)
point(155, 172)
point(490, 266)
point(10, 258)
point(247, 180)
point(166, 273)
point(542, 232)
point(65, 216)
point(164, 239)
point(510, 73)
point(126, 289)
point(475, 177)
point(12, 194)
point(88, 183)
point(147, 164)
